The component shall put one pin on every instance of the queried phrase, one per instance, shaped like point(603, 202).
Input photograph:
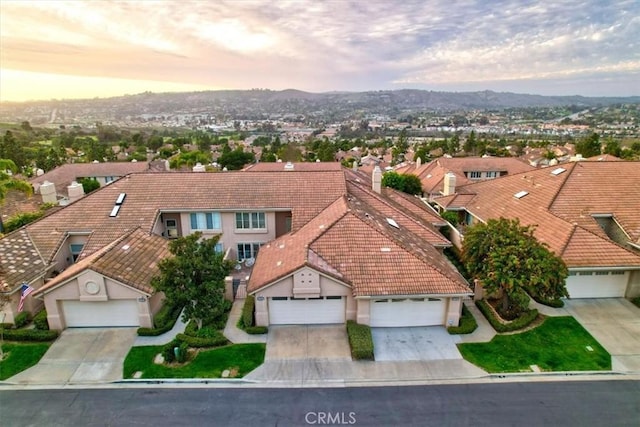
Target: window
point(602, 273)
point(248, 250)
point(250, 220)
point(617, 273)
point(205, 221)
point(334, 297)
point(279, 298)
point(475, 175)
point(76, 250)
point(492, 174)
point(108, 179)
point(219, 248)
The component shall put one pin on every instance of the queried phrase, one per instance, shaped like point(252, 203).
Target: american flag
point(25, 291)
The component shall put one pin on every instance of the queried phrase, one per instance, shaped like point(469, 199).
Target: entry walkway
point(165, 338)
point(235, 334)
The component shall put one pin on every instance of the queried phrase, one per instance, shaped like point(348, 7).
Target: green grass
point(207, 364)
point(558, 344)
point(20, 357)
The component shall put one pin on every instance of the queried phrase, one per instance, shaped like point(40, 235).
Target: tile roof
point(305, 193)
point(20, 260)
point(561, 206)
point(432, 174)
point(353, 241)
point(131, 259)
point(297, 166)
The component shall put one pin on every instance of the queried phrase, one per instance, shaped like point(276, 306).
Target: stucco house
point(586, 212)
point(92, 261)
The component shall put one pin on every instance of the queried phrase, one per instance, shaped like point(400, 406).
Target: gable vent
point(520, 194)
point(558, 171)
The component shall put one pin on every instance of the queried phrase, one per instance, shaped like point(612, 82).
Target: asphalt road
point(569, 403)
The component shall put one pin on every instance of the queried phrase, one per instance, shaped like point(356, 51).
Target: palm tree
point(8, 182)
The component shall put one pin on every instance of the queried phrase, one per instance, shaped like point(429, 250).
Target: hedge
point(467, 325)
point(198, 342)
point(40, 321)
point(246, 321)
point(555, 303)
point(21, 319)
point(256, 330)
point(524, 320)
point(360, 341)
point(29, 335)
point(164, 320)
point(167, 350)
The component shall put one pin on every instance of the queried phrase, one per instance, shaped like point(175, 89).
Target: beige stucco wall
point(284, 288)
point(109, 290)
point(454, 311)
point(633, 288)
point(63, 258)
point(363, 311)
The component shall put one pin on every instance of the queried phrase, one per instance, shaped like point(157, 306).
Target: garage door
point(408, 312)
point(598, 284)
point(102, 313)
point(306, 311)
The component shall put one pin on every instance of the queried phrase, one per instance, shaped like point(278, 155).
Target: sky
point(84, 49)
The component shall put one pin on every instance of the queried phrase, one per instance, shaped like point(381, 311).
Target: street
point(566, 403)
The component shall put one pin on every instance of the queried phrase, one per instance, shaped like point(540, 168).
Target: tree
point(236, 159)
point(12, 149)
point(470, 144)
point(589, 146)
point(89, 184)
point(194, 277)
point(400, 149)
point(612, 147)
point(408, 183)
point(8, 182)
point(507, 259)
point(412, 184)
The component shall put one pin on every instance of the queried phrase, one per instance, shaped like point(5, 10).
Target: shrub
point(360, 341)
point(247, 311)
point(164, 320)
point(256, 330)
point(168, 350)
point(29, 335)
point(183, 349)
point(525, 319)
point(40, 321)
point(467, 325)
point(21, 219)
point(21, 319)
point(636, 301)
point(196, 342)
point(555, 303)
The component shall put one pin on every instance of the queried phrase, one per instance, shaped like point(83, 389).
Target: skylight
point(520, 194)
point(392, 223)
point(114, 211)
point(558, 171)
point(120, 198)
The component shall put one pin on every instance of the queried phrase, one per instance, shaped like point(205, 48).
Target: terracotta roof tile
point(20, 260)
point(297, 166)
point(586, 249)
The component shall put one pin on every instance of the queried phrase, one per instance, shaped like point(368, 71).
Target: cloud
point(332, 45)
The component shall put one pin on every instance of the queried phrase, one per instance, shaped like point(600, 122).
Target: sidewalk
point(163, 339)
point(484, 332)
point(235, 335)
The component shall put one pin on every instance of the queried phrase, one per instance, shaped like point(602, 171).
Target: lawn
point(558, 344)
point(207, 363)
point(20, 357)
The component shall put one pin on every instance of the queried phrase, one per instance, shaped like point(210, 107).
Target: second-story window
point(250, 221)
point(474, 175)
point(205, 221)
point(492, 174)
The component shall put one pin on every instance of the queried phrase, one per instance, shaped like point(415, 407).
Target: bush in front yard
point(164, 320)
point(29, 335)
point(467, 324)
point(246, 321)
point(555, 303)
point(21, 319)
point(168, 350)
point(197, 342)
point(501, 326)
point(360, 341)
point(40, 321)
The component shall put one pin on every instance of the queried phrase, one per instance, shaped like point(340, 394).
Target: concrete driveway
point(307, 342)
point(81, 356)
point(615, 323)
point(416, 343)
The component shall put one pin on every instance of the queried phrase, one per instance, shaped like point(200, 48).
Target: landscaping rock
point(137, 375)
point(225, 373)
point(159, 359)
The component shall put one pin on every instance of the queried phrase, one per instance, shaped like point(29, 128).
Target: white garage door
point(306, 311)
point(597, 285)
point(408, 312)
point(101, 313)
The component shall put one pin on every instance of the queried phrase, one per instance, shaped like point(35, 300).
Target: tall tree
point(589, 146)
point(12, 149)
point(506, 257)
point(194, 277)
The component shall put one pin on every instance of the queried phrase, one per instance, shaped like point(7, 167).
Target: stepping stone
point(137, 375)
point(159, 359)
point(535, 368)
point(225, 373)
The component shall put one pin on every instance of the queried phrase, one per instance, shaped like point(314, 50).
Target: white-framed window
point(76, 250)
point(617, 273)
point(219, 248)
point(109, 179)
point(248, 250)
point(250, 221)
point(492, 174)
point(206, 221)
point(475, 175)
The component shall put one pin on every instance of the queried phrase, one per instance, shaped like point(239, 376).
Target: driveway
point(307, 342)
point(615, 324)
point(81, 356)
point(418, 343)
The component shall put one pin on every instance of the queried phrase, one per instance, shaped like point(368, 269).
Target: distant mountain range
point(259, 103)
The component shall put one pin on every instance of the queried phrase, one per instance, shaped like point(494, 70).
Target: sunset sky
point(85, 49)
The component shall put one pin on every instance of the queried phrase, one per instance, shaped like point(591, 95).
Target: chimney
point(449, 184)
point(48, 192)
point(376, 178)
point(288, 166)
point(418, 163)
point(75, 191)
point(199, 167)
